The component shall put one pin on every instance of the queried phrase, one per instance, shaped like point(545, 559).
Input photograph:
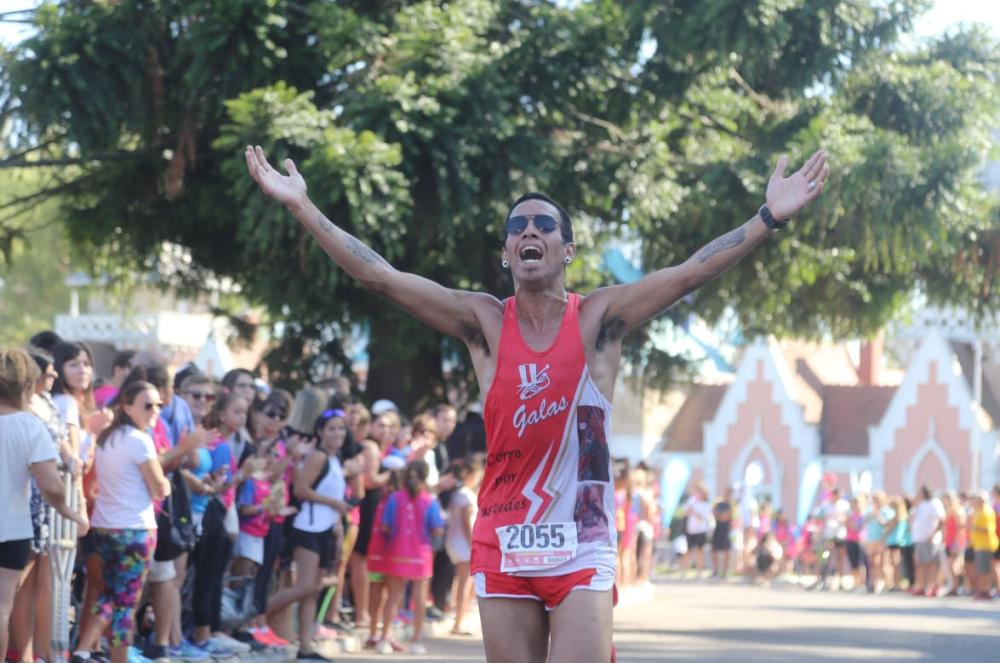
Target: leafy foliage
point(415, 122)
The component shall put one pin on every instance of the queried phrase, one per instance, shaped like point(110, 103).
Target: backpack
point(175, 533)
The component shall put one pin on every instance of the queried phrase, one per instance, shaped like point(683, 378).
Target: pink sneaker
point(325, 633)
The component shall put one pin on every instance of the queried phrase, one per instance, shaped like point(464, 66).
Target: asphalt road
point(708, 622)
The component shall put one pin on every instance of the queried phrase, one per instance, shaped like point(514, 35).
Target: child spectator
point(411, 517)
point(854, 525)
point(458, 541)
point(255, 522)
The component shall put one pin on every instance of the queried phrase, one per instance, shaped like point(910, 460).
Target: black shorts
point(696, 541)
point(996, 553)
point(970, 555)
point(368, 506)
point(853, 553)
point(323, 544)
point(720, 538)
point(14, 555)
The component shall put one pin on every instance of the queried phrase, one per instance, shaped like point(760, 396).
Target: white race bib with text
point(536, 546)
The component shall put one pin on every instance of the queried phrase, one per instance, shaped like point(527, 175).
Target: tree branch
point(13, 162)
point(38, 195)
point(33, 148)
point(760, 99)
point(613, 130)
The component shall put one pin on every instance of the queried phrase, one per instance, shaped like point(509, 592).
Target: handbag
point(175, 533)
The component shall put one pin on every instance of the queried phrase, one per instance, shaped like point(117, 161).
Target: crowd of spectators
point(927, 544)
point(210, 511)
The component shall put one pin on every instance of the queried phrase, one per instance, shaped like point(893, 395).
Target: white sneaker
point(383, 647)
point(418, 649)
point(234, 645)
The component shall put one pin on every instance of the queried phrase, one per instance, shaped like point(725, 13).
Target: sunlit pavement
point(708, 621)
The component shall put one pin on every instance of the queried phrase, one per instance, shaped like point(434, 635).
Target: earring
point(504, 264)
point(569, 260)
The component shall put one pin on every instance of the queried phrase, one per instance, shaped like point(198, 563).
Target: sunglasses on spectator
point(543, 222)
point(327, 414)
point(277, 415)
point(152, 406)
point(201, 395)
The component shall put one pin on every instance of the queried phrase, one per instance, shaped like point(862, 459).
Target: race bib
point(536, 546)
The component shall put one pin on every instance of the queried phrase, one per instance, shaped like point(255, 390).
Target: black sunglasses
point(201, 395)
point(150, 406)
point(545, 223)
point(277, 415)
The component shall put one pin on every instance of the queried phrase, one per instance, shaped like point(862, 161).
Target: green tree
point(34, 260)
point(415, 123)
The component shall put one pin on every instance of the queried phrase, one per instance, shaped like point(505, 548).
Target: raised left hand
point(787, 195)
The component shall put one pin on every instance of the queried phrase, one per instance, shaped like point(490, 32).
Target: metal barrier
point(62, 557)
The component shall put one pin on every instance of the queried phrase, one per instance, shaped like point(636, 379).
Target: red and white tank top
point(546, 503)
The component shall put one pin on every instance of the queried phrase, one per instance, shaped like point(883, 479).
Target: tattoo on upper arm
point(474, 336)
point(362, 251)
point(611, 330)
point(719, 244)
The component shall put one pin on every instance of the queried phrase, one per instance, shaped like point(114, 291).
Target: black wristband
point(769, 220)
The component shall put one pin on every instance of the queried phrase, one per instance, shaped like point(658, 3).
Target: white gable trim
point(929, 447)
point(774, 469)
point(802, 436)
point(933, 350)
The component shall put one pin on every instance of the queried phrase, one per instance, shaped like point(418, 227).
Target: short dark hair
point(46, 340)
point(155, 375)
point(565, 224)
point(230, 378)
point(123, 359)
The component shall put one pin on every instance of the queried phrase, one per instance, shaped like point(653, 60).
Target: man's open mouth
point(531, 254)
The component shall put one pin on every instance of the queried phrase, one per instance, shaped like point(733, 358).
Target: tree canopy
point(416, 123)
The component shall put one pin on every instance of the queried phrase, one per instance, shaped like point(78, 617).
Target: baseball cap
point(383, 405)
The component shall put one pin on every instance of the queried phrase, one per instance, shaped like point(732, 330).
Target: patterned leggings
point(125, 555)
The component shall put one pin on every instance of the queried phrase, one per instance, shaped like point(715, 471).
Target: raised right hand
point(198, 439)
point(286, 189)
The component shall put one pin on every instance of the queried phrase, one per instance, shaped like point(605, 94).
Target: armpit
point(612, 329)
point(475, 337)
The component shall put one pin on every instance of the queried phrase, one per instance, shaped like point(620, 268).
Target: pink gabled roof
point(684, 434)
point(848, 411)
point(813, 367)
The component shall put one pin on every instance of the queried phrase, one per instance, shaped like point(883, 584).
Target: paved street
point(719, 623)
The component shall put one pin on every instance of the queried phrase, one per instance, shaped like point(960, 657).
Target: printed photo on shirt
point(591, 521)
point(595, 458)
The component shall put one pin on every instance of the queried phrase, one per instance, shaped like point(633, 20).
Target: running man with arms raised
point(546, 361)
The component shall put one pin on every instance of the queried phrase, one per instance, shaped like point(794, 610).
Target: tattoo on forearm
point(326, 225)
point(362, 251)
point(611, 330)
point(475, 337)
point(719, 244)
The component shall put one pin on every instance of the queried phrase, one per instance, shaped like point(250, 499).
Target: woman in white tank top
point(320, 487)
